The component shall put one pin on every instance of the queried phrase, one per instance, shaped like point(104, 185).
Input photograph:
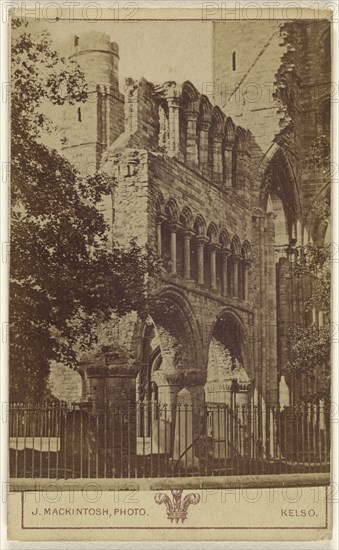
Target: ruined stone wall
point(65, 384)
point(244, 77)
point(187, 187)
point(245, 91)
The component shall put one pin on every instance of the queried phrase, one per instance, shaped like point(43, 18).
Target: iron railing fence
point(150, 439)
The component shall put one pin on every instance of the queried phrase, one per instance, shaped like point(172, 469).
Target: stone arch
point(241, 139)
point(235, 245)
point(186, 217)
point(217, 121)
point(190, 97)
point(212, 232)
point(179, 336)
point(188, 115)
point(224, 238)
point(160, 204)
point(246, 250)
point(279, 194)
point(205, 108)
point(200, 226)
point(230, 359)
point(172, 209)
point(275, 157)
point(229, 130)
point(239, 158)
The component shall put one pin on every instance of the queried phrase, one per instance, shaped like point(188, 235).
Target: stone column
point(173, 123)
point(225, 254)
point(191, 138)
point(217, 174)
point(174, 229)
point(246, 268)
point(212, 248)
point(160, 220)
point(200, 241)
point(235, 265)
point(240, 169)
point(110, 386)
point(188, 411)
point(203, 146)
point(228, 151)
point(187, 254)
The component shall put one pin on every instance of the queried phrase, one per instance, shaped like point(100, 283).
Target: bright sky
point(158, 50)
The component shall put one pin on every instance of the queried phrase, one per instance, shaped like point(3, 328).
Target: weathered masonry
point(224, 202)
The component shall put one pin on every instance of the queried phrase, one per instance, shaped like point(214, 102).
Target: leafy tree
point(62, 272)
point(310, 344)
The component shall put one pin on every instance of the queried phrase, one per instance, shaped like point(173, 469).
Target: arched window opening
point(166, 246)
point(227, 360)
point(275, 204)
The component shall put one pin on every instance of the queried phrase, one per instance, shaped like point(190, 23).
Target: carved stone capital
point(188, 233)
point(192, 377)
point(201, 240)
point(204, 125)
point(191, 116)
point(213, 247)
point(226, 252)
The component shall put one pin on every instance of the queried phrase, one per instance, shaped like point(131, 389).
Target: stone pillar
point(159, 221)
point(235, 265)
point(200, 241)
point(203, 146)
point(191, 138)
point(241, 169)
point(110, 386)
point(212, 248)
point(187, 254)
point(225, 254)
point(217, 174)
point(228, 151)
point(174, 229)
point(188, 413)
point(246, 268)
point(173, 122)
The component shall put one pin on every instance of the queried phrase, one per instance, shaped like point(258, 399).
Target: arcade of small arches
point(202, 253)
point(201, 135)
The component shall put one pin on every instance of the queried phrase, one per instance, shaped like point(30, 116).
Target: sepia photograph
point(170, 267)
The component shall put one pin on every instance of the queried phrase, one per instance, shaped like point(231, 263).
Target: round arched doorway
point(229, 369)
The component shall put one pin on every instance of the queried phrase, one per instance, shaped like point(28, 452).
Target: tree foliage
point(62, 272)
point(310, 344)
